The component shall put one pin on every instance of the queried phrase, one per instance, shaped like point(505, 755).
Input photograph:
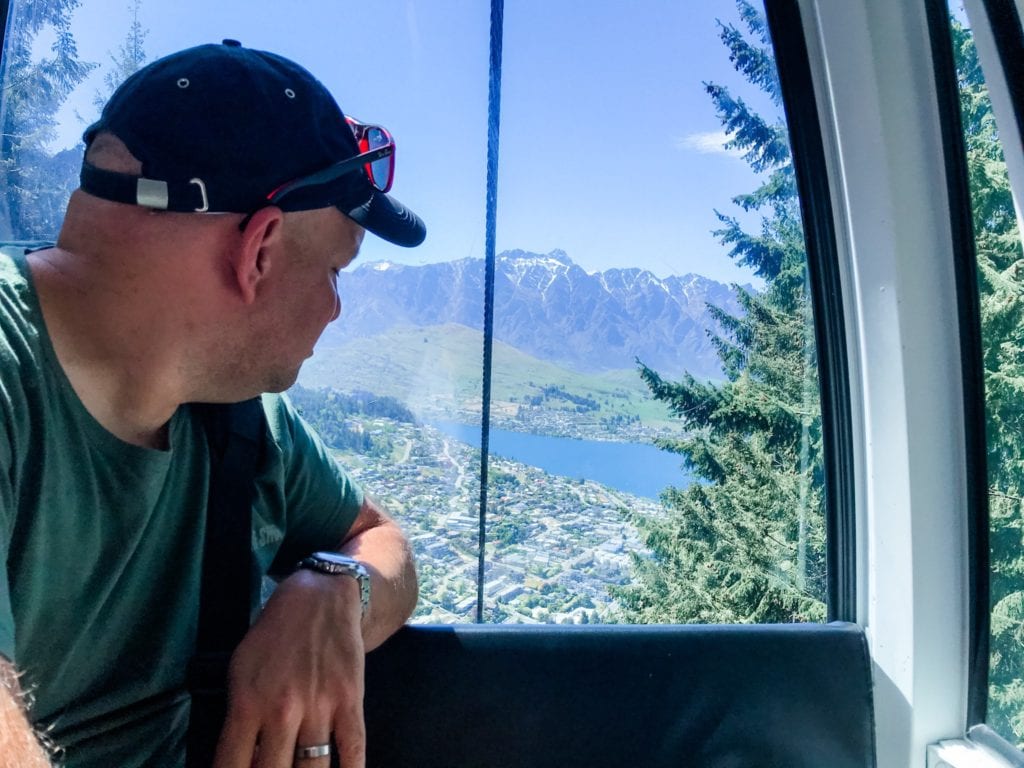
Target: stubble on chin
point(281, 381)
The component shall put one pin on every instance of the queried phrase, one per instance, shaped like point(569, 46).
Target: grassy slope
point(438, 368)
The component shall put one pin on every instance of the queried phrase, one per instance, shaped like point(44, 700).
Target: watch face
point(337, 563)
point(334, 557)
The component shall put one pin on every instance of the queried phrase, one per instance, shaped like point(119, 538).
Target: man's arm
point(19, 745)
point(376, 541)
point(297, 677)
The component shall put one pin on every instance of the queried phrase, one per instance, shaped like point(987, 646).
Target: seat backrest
point(797, 696)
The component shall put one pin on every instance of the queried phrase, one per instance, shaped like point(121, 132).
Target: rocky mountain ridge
point(547, 306)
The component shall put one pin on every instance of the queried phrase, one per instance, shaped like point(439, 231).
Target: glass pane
point(616, 160)
point(998, 247)
point(64, 57)
point(392, 360)
point(39, 166)
point(656, 439)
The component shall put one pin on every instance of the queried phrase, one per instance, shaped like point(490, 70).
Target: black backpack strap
point(235, 434)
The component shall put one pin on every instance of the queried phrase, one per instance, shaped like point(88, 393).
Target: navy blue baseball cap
point(222, 128)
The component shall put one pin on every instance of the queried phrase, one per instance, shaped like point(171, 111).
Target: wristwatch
point(337, 564)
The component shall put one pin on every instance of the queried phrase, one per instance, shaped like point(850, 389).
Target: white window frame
point(874, 82)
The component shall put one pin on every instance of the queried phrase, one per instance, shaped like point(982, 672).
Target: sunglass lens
point(380, 170)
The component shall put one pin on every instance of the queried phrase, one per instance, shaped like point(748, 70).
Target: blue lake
point(642, 470)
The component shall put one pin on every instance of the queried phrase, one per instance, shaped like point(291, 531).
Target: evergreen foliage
point(554, 393)
point(1001, 285)
point(130, 57)
point(745, 541)
point(35, 183)
point(335, 417)
point(358, 402)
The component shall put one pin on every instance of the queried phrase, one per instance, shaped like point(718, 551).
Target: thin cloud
point(708, 143)
point(413, 27)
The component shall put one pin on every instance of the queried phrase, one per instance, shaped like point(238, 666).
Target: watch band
point(337, 564)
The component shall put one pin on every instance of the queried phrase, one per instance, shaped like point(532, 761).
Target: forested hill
point(337, 417)
point(546, 306)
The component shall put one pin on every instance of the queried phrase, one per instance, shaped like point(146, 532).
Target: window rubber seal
point(5, 9)
point(808, 154)
point(971, 359)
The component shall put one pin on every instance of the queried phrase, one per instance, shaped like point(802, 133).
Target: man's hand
point(297, 678)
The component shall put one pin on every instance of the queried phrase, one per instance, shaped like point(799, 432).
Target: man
point(197, 263)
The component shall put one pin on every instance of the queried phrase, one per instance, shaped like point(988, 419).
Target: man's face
point(302, 293)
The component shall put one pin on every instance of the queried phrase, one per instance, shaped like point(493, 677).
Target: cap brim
point(389, 219)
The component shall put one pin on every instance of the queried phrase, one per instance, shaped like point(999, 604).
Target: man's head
point(223, 128)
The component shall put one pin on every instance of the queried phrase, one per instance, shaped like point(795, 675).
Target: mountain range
point(546, 306)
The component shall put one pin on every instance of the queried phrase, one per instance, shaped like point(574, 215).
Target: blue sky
point(610, 149)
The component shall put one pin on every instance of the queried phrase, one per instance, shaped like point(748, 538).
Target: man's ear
point(259, 243)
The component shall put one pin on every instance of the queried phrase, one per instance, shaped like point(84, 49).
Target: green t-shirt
point(102, 543)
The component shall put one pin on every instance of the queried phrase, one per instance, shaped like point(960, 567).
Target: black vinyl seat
point(720, 696)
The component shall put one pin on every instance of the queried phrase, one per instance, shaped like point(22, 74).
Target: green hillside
point(436, 371)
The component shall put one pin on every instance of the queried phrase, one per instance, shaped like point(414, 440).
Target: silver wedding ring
point(317, 750)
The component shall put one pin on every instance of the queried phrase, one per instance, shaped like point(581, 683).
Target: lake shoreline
point(635, 468)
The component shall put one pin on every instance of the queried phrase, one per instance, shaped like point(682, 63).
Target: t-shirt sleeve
point(321, 500)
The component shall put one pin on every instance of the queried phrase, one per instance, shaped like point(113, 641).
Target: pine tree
point(34, 185)
point(1001, 285)
point(745, 541)
point(729, 547)
point(130, 57)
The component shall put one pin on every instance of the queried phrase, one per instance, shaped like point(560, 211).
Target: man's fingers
point(237, 742)
point(314, 733)
point(277, 748)
point(350, 735)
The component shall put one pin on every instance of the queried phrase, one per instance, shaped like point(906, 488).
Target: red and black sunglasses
point(376, 159)
point(374, 138)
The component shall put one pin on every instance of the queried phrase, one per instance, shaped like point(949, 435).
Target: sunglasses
point(374, 138)
point(376, 159)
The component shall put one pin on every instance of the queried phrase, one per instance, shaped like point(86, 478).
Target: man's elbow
point(412, 582)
